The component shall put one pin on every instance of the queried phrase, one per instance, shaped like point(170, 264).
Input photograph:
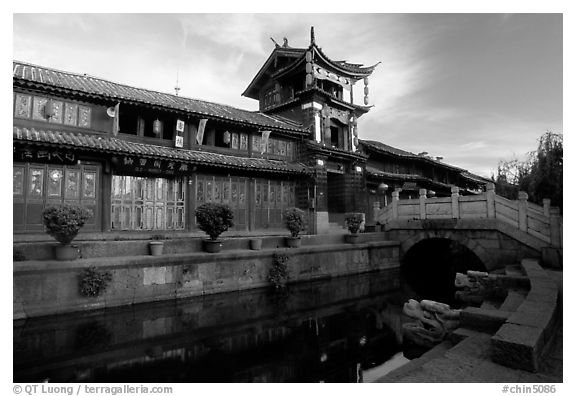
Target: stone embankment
point(518, 339)
point(46, 287)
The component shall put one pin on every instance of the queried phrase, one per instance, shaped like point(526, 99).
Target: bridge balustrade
point(542, 222)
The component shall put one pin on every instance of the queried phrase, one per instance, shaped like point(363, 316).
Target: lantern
point(309, 79)
point(157, 127)
point(365, 80)
point(308, 67)
point(308, 56)
point(356, 141)
point(382, 187)
point(366, 100)
point(366, 90)
point(355, 132)
point(227, 137)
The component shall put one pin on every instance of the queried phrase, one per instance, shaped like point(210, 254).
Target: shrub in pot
point(353, 222)
point(63, 224)
point(294, 220)
point(214, 219)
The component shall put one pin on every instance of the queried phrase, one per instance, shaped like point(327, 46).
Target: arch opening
point(429, 268)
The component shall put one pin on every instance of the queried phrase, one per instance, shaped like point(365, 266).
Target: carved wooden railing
point(542, 222)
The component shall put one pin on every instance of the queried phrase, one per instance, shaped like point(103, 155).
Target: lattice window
point(140, 203)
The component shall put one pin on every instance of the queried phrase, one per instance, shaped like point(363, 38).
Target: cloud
point(474, 88)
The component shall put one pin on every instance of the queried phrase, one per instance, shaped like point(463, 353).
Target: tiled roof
point(33, 75)
point(334, 150)
point(403, 176)
point(107, 144)
point(476, 178)
point(354, 68)
point(378, 146)
point(381, 147)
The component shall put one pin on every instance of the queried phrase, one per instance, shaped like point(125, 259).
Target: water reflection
point(327, 331)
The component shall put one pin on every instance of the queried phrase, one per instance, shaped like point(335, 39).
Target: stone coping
point(186, 258)
point(523, 339)
point(183, 244)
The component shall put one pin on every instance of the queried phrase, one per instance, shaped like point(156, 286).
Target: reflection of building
point(317, 331)
point(143, 160)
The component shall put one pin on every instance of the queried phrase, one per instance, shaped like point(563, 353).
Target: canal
point(345, 329)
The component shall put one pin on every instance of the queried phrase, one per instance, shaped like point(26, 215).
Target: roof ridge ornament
point(275, 43)
point(312, 38)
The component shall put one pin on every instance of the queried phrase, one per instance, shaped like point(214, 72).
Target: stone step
point(335, 228)
point(490, 304)
point(415, 365)
point(513, 300)
point(514, 270)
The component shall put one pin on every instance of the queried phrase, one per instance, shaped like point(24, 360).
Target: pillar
point(523, 211)
point(491, 200)
point(422, 198)
point(375, 211)
point(395, 198)
point(546, 206)
point(321, 195)
point(555, 228)
point(455, 204)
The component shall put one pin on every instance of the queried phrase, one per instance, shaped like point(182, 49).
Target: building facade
point(142, 161)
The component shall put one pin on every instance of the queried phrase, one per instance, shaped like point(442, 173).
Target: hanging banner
point(179, 139)
point(201, 127)
point(116, 126)
point(264, 143)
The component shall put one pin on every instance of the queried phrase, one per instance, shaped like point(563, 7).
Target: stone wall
point(60, 345)
point(52, 287)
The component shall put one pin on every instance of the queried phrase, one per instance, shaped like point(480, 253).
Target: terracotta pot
point(156, 248)
point(351, 238)
point(211, 246)
point(293, 242)
point(255, 244)
point(66, 252)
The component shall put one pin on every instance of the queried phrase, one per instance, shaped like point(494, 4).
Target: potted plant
point(63, 223)
point(256, 244)
point(294, 221)
point(214, 219)
point(353, 222)
point(156, 245)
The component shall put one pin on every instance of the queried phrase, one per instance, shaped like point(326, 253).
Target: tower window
point(335, 136)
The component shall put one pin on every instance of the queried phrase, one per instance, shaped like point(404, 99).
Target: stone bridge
point(497, 230)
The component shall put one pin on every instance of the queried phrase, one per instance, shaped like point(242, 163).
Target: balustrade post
point(555, 227)
point(491, 200)
point(395, 198)
point(455, 206)
point(523, 211)
point(546, 206)
point(422, 193)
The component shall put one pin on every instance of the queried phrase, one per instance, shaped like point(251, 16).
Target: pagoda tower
point(307, 87)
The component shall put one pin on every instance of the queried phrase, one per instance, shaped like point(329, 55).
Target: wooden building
point(143, 160)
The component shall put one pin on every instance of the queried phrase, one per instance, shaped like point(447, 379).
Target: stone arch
point(420, 235)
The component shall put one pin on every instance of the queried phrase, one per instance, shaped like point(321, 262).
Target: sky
point(471, 88)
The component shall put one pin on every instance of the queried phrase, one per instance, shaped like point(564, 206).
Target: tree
point(540, 175)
